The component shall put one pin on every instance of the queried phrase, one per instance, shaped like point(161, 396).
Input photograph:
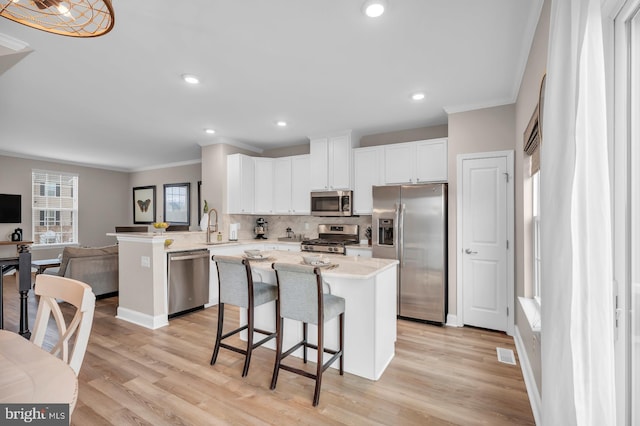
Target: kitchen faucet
point(215, 226)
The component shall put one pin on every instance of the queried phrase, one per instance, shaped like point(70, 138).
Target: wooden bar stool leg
point(341, 344)
point(276, 367)
point(304, 340)
point(216, 348)
point(320, 351)
point(247, 359)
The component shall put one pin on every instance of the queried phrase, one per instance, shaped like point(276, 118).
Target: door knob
point(469, 251)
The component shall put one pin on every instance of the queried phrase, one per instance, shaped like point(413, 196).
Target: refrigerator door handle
point(401, 234)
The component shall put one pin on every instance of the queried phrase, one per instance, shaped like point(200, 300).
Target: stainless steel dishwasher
point(188, 281)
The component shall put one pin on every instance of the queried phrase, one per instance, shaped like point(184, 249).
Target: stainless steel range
point(333, 239)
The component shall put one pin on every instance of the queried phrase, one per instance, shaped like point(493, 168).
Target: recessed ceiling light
point(281, 123)
point(417, 96)
point(374, 8)
point(190, 78)
point(209, 131)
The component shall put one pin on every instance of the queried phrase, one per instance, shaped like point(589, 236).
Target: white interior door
point(484, 243)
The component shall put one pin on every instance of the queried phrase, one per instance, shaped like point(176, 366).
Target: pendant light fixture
point(74, 18)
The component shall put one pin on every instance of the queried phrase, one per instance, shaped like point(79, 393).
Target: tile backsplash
point(277, 225)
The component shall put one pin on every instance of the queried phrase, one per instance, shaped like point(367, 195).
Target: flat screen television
point(10, 208)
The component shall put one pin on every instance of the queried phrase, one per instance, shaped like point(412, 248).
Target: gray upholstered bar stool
point(237, 287)
point(301, 298)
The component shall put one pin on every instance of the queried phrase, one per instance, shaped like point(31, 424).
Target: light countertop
point(354, 267)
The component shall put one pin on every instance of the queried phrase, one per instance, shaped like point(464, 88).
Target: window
point(536, 235)
point(55, 207)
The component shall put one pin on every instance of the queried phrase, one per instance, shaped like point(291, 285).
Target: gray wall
point(525, 104)
point(191, 173)
point(102, 195)
point(483, 130)
point(408, 135)
point(287, 151)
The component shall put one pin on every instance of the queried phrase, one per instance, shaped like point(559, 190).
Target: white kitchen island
point(367, 285)
point(369, 289)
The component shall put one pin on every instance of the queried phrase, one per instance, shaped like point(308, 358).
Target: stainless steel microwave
point(332, 203)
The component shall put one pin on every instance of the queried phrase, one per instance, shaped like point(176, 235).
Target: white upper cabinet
point(300, 185)
point(263, 185)
point(331, 162)
point(240, 184)
point(416, 162)
point(282, 185)
point(291, 185)
point(432, 161)
point(368, 166)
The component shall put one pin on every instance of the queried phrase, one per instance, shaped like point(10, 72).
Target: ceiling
point(118, 101)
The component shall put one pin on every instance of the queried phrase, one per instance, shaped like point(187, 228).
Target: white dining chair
point(51, 289)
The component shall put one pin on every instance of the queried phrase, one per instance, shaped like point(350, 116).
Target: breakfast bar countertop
point(353, 267)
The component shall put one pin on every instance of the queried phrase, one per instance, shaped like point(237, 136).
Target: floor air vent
point(506, 356)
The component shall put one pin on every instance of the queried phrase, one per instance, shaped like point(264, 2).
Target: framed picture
point(176, 203)
point(144, 204)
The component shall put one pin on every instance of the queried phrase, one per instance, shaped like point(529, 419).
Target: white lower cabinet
point(359, 251)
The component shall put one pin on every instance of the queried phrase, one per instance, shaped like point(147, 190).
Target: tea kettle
point(16, 235)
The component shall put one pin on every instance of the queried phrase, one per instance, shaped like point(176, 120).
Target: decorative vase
point(204, 221)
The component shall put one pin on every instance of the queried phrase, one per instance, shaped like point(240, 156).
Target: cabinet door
point(361, 252)
point(300, 185)
point(431, 160)
point(282, 185)
point(246, 184)
point(399, 163)
point(367, 171)
point(240, 183)
point(339, 172)
point(233, 183)
point(263, 185)
point(319, 167)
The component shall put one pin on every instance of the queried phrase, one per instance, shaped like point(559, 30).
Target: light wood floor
point(135, 376)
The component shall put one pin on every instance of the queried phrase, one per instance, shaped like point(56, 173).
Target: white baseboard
point(452, 321)
point(529, 380)
point(143, 320)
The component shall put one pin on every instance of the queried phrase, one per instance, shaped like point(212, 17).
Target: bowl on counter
point(314, 259)
point(252, 253)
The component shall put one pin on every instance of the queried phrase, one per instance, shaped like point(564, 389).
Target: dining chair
point(237, 287)
point(51, 289)
point(301, 298)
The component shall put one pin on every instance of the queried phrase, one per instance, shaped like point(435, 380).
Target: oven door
point(331, 203)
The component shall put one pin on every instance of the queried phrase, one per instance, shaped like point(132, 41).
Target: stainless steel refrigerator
point(409, 223)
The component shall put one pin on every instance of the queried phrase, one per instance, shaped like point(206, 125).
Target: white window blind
point(55, 207)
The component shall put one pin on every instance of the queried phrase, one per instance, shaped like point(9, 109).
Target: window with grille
point(536, 236)
point(55, 207)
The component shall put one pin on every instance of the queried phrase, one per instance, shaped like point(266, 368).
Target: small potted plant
point(367, 233)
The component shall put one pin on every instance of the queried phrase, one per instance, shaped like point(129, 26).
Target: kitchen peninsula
point(368, 286)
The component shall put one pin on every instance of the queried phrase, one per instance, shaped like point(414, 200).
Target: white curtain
point(577, 345)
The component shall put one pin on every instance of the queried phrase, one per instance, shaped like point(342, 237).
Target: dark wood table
point(22, 263)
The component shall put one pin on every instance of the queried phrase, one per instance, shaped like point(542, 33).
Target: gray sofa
point(97, 267)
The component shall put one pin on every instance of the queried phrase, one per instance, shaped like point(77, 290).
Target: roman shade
point(532, 140)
